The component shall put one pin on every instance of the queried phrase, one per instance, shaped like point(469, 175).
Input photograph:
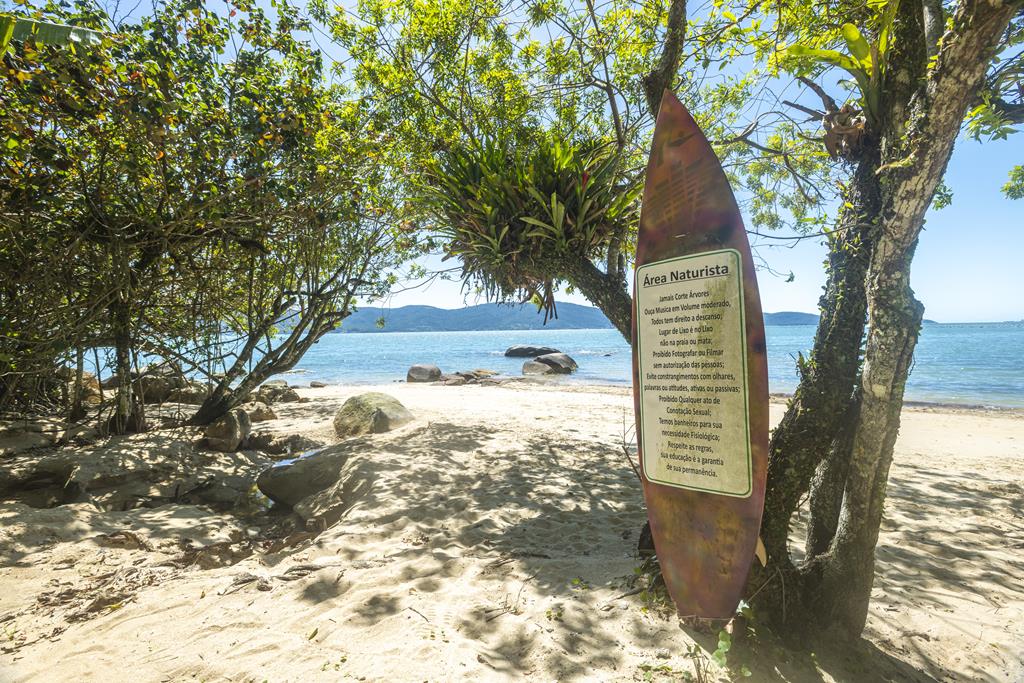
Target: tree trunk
point(828, 379)
point(607, 292)
point(828, 486)
point(76, 410)
point(923, 133)
point(127, 417)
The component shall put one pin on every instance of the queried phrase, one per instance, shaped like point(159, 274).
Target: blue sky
point(969, 265)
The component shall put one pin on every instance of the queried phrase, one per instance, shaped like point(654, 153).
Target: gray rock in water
point(370, 413)
point(527, 351)
point(276, 383)
point(532, 367)
point(228, 432)
point(317, 385)
point(560, 363)
point(423, 373)
point(291, 482)
point(259, 412)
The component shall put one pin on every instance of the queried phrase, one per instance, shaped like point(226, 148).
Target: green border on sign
point(746, 377)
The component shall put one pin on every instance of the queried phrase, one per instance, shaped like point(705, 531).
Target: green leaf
point(7, 23)
point(45, 32)
point(828, 56)
point(858, 46)
point(885, 25)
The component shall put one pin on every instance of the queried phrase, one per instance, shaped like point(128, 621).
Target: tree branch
point(662, 76)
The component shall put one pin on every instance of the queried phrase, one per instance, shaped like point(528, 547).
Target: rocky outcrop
point(527, 351)
point(322, 486)
point(193, 393)
point(354, 482)
point(423, 373)
point(154, 383)
point(259, 412)
point(532, 367)
point(470, 377)
point(370, 413)
point(228, 432)
point(282, 445)
point(317, 384)
point(19, 436)
point(560, 363)
point(140, 470)
point(289, 483)
point(276, 391)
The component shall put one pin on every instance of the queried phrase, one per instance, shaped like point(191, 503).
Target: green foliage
point(866, 62)
point(1014, 187)
point(987, 121)
point(195, 198)
point(43, 32)
point(520, 218)
point(943, 196)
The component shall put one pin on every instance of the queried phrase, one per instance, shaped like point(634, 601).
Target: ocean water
point(972, 364)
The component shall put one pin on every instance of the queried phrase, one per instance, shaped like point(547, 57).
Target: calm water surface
point(977, 364)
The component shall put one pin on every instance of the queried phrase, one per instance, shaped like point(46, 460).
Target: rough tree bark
point(922, 116)
point(913, 165)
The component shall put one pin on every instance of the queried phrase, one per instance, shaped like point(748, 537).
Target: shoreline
point(571, 383)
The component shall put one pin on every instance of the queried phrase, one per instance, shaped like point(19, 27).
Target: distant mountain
point(790, 318)
point(481, 317)
point(504, 317)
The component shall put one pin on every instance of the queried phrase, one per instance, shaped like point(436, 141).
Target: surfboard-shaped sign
point(700, 374)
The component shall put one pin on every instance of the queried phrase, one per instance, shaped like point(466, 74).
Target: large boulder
point(156, 382)
point(259, 412)
point(289, 483)
point(560, 363)
point(193, 393)
point(532, 367)
point(423, 373)
point(90, 385)
point(287, 445)
point(228, 432)
point(354, 481)
point(278, 392)
point(527, 351)
point(370, 413)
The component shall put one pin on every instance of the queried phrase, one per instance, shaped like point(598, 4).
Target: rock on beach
point(370, 413)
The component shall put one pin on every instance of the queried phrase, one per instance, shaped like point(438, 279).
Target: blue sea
point(969, 363)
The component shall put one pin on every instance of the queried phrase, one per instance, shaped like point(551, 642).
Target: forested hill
point(481, 317)
point(503, 317)
point(790, 318)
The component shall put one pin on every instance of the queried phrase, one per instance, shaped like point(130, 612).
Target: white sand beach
point(494, 541)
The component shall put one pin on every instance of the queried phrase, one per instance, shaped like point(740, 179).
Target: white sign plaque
point(692, 351)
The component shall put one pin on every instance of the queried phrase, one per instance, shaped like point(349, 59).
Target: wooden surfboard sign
point(700, 373)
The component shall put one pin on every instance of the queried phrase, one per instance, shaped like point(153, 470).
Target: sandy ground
point(494, 543)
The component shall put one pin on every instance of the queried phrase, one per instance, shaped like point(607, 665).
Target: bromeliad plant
point(522, 220)
point(867, 63)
